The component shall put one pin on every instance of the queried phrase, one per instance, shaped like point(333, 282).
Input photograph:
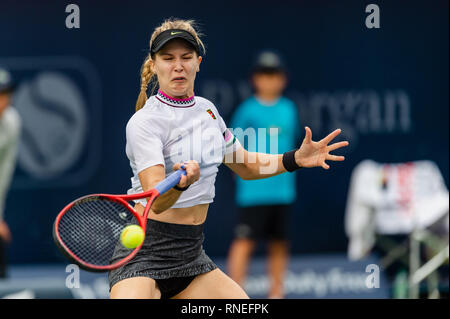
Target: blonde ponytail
point(146, 76)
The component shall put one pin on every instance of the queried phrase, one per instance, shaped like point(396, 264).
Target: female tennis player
point(174, 128)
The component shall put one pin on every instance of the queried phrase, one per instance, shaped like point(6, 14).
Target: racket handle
point(170, 181)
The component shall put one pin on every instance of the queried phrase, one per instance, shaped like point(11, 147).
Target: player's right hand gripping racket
point(88, 229)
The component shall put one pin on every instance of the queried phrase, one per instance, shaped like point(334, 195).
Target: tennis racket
point(88, 229)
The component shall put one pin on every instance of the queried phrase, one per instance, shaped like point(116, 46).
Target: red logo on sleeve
point(211, 113)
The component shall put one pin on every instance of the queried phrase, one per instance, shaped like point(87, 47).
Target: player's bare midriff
point(194, 215)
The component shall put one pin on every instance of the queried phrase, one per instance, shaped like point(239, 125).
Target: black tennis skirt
point(169, 251)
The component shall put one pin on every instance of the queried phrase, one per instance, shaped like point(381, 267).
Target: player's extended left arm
point(250, 165)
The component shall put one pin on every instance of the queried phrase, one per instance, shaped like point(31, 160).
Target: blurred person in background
point(265, 205)
point(9, 138)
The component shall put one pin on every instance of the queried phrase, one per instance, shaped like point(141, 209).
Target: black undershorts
point(172, 286)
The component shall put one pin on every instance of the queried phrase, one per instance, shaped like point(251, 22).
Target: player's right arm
point(151, 176)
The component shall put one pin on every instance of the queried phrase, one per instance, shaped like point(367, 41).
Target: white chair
point(408, 199)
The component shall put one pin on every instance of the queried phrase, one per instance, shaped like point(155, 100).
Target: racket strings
point(91, 229)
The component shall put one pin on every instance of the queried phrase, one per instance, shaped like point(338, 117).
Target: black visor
point(171, 34)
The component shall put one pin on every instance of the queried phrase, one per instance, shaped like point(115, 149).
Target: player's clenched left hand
point(192, 173)
point(313, 154)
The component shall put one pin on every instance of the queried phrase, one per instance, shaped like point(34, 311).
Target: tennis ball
point(132, 236)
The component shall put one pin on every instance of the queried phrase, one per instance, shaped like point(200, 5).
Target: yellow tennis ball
point(132, 236)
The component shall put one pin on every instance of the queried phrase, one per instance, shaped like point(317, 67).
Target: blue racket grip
point(170, 181)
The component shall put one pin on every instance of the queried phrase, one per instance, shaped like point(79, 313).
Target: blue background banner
point(386, 88)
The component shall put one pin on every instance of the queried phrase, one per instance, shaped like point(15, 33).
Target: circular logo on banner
point(54, 124)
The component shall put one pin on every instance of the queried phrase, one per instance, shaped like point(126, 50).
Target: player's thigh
point(135, 288)
point(212, 285)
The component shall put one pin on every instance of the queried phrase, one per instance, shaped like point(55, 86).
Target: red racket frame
point(121, 199)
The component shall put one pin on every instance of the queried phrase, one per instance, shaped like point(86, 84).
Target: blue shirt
point(254, 114)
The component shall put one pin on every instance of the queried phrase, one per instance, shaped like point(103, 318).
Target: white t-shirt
point(168, 131)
